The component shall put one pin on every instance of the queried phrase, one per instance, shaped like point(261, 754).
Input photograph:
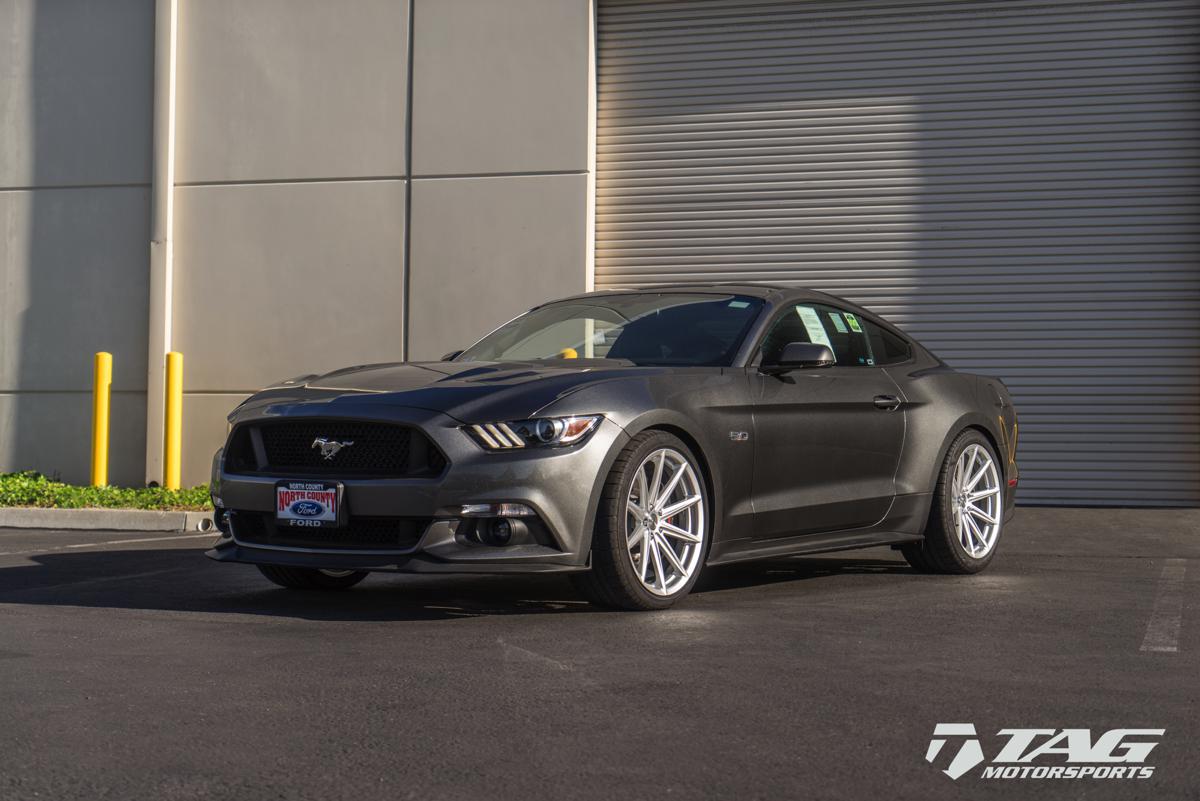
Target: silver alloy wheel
point(664, 521)
point(976, 501)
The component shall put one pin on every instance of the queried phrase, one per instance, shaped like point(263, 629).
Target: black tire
point(612, 581)
point(941, 551)
point(307, 578)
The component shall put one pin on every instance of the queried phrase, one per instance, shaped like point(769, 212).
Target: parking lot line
point(208, 534)
point(1162, 631)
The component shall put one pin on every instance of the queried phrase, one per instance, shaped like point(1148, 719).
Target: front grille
point(367, 449)
point(370, 533)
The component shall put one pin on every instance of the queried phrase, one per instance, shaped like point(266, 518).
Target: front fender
point(701, 406)
point(676, 424)
point(717, 466)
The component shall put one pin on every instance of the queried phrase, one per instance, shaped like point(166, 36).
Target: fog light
point(499, 532)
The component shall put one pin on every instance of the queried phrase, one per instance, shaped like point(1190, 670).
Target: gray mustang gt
point(628, 438)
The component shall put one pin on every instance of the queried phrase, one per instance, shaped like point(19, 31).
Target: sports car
point(628, 439)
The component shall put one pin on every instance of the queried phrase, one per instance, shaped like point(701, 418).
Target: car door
point(827, 440)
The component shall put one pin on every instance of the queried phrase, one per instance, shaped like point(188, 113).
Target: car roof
point(772, 292)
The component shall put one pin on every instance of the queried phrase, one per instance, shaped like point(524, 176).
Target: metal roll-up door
point(1013, 182)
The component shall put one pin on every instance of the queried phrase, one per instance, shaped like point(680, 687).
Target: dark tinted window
point(644, 328)
point(789, 328)
point(843, 332)
point(886, 347)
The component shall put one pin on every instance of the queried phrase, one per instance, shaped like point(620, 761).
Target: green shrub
point(34, 489)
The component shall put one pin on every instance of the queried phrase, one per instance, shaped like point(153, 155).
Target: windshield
point(645, 328)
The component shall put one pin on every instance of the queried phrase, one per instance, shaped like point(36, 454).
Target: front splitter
point(229, 550)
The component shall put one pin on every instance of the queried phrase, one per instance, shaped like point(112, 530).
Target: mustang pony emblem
point(330, 447)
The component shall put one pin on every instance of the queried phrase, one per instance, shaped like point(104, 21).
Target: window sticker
point(853, 321)
point(738, 304)
point(837, 323)
point(812, 324)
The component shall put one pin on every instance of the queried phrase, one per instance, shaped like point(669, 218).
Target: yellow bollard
point(173, 422)
point(101, 389)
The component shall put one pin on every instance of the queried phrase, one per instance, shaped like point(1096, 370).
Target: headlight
point(541, 432)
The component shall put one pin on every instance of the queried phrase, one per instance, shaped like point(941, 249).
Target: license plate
point(313, 504)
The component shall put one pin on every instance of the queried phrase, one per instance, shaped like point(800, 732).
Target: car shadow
point(181, 580)
point(794, 568)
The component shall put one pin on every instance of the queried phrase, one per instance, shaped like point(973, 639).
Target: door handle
point(887, 402)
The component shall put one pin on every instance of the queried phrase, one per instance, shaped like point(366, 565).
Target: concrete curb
point(105, 519)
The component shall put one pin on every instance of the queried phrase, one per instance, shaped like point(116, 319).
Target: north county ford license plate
point(308, 503)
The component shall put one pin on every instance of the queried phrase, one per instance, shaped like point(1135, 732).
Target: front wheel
point(967, 512)
point(652, 527)
point(307, 578)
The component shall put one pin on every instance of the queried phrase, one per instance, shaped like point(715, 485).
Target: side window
point(787, 329)
point(842, 332)
point(847, 336)
point(886, 346)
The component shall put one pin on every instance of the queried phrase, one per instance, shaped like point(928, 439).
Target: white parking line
point(209, 534)
point(1162, 632)
point(97, 580)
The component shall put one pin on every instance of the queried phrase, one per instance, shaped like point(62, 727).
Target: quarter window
point(886, 347)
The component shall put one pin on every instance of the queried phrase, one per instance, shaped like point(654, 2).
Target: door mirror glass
point(799, 355)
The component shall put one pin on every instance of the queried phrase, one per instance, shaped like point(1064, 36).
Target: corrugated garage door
point(1014, 183)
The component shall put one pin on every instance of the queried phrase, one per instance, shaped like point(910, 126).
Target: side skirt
point(814, 543)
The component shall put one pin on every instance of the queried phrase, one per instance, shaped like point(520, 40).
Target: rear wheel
point(307, 578)
point(967, 512)
point(652, 527)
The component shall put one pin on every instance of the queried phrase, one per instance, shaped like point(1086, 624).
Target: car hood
point(468, 391)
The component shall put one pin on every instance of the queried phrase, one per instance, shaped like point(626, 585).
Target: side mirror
point(452, 354)
point(798, 355)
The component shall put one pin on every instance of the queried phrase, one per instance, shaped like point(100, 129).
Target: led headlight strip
point(539, 432)
point(498, 436)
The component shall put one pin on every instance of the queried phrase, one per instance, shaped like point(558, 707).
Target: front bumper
point(559, 484)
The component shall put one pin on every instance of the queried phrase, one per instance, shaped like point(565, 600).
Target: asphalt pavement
point(133, 668)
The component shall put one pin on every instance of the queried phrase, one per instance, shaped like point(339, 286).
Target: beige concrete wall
point(51, 431)
point(297, 232)
point(291, 90)
point(75, 100)
point(290, 198)
point(204, 421)
point(275, 280)
point(75, 84)
point(486, 249)
point(500, 160)
point(290, 212)
point(501, 86)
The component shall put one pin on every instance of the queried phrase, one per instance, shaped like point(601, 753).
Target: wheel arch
point(991, 438)
point(698, 451)
point(968, 422)
point(678, 426)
